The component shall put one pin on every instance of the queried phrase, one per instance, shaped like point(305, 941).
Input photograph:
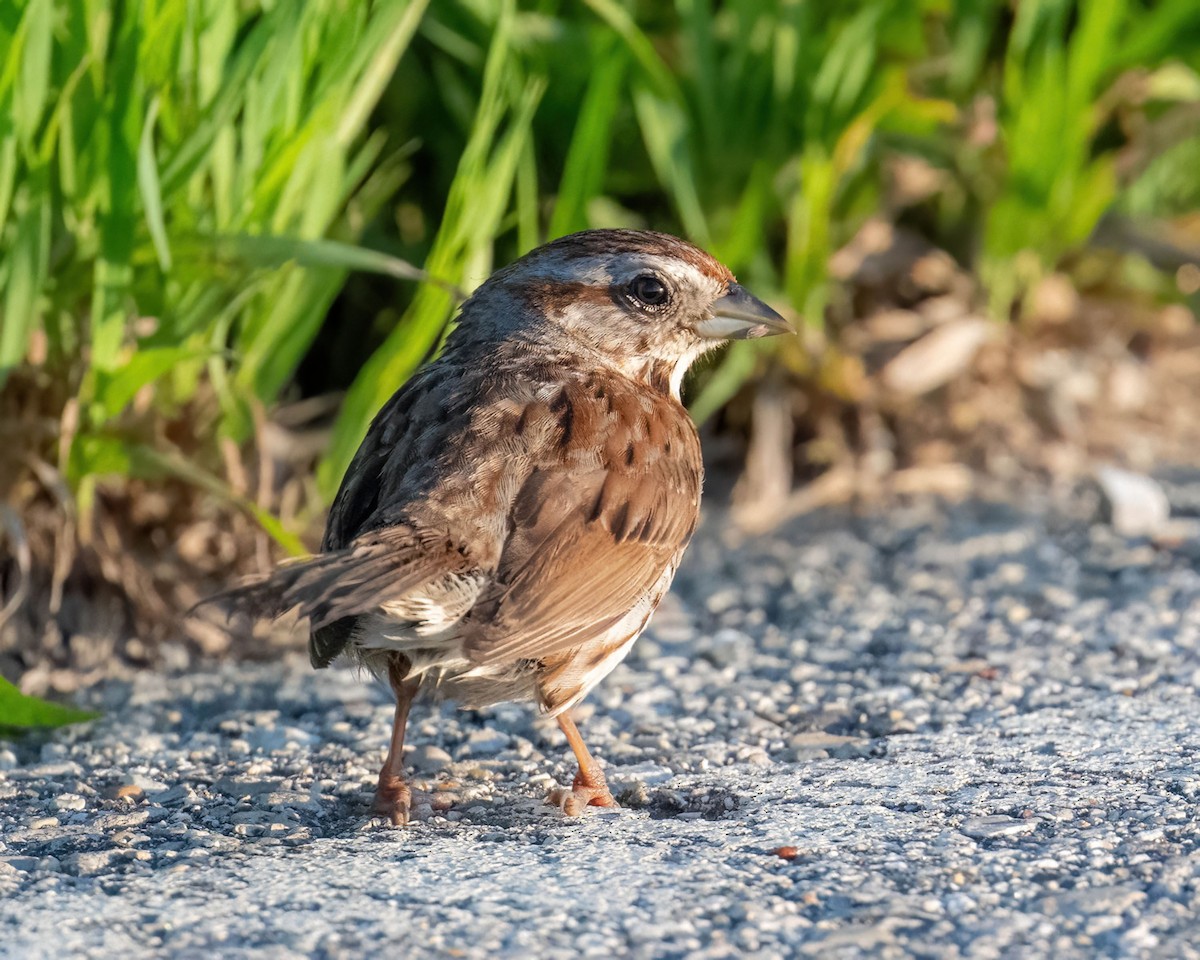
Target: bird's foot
point(393, 799)
point(586, 791)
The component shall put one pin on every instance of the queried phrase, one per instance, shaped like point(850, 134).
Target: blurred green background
point(208, 207)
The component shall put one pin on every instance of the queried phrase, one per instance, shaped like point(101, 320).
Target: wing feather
point(588, 546)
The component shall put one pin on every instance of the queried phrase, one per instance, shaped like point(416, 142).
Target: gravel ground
point(961, 731)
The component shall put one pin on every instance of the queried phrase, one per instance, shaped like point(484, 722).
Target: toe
point(394, 813)
point(567, 801)
point(574, 801)
point(603, 799)
point(392, 802)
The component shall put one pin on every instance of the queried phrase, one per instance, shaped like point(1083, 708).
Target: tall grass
point(1061, 105)
point(150, 156)
point(186, 186)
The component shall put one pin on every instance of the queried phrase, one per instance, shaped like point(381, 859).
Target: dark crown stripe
point(594, 243)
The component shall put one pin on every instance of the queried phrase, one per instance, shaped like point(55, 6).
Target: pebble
point(427, 756)
point(485, 743)
point(1110, 900)
point(245, 788)
point(994, 827)
point(1135, 505)
point(647, 772)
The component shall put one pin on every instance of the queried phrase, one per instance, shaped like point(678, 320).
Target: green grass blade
point(267, 251)
point(587, 156)
point(151, 191)
point(116, 389)
point(379, 72)
point(8, 168)
point(33, 81)
point(474, 210)
point(665, 127)
point(26, 269)
point(20, 711)
point(114, 272)
point(662, 80)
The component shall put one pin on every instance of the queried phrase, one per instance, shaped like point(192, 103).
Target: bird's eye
point(648, 290)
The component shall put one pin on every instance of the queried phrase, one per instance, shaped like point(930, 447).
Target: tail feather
point(376, 568)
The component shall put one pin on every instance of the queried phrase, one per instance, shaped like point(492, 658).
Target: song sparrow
point(518, 508)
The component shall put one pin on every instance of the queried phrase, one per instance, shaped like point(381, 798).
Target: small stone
point(68, 801)
point(485, 743)
point(428, 757)
point(245, 788)
point(1054, 299)
point(818, 740)
point(994, 827)
point(648, 772)
point(1111, 900)
point(124, 791)
point(149, 784)
point(722, 600)
point(1134, 504)
point(858, 750)
point(92, 863)
point(177, 794)
point(251, 816)
point(119, 821)
point(756, 758)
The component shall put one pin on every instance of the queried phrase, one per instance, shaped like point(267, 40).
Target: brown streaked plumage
point(519, 507)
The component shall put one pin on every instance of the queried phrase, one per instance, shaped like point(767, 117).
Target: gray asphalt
point(941, 731)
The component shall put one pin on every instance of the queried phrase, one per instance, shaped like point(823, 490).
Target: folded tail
point(332, 589)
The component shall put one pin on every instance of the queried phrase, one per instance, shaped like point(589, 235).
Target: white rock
point(993, 827)
point(486, 743)
point(1134, 504)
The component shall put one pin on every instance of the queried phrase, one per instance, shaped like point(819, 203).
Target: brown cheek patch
point(551, 296)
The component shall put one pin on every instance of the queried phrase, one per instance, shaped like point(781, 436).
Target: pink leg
point(392, 796)
point(590, 788)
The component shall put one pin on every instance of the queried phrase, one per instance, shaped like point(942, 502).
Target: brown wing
point(588, 544)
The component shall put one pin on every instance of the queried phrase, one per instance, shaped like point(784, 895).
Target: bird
point(520, 505)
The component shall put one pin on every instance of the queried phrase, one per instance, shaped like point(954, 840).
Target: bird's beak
point(740, 316)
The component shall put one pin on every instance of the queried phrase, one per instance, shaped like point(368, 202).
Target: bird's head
point(645, 303)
